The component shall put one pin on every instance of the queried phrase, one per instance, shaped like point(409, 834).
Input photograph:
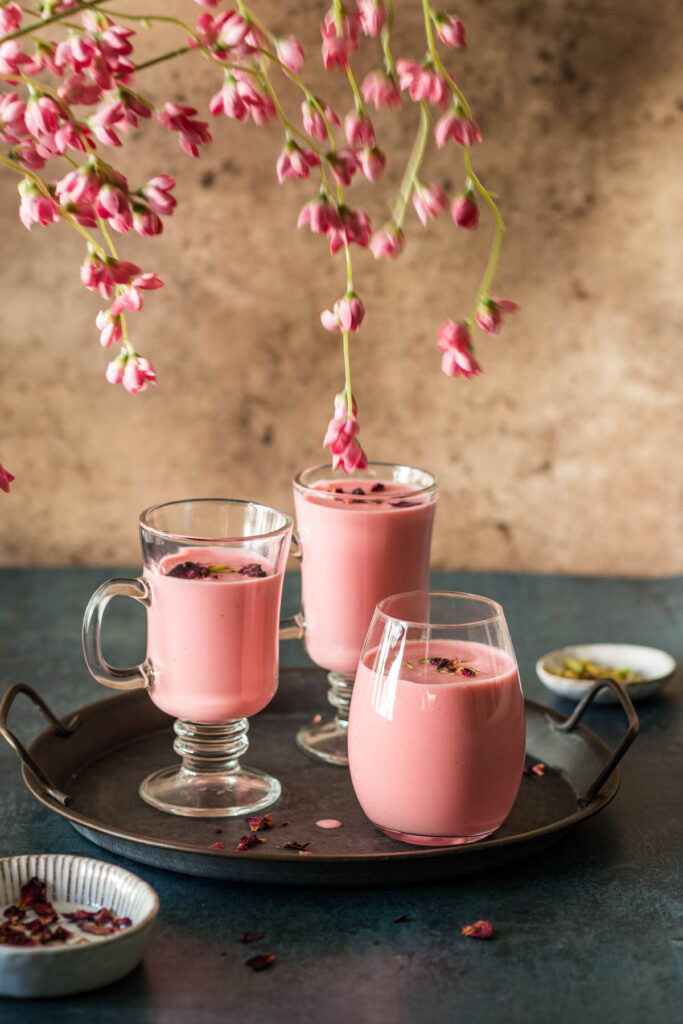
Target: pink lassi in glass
point(437, 739)
point(212, 633)
point(362, 540)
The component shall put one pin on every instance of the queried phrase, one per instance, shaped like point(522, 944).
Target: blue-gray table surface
point(589, 930)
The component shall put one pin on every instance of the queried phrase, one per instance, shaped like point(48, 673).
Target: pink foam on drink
point(437, 754)
point(213, 643)
point(356, 553)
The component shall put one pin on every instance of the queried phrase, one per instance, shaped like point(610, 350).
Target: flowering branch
point(93, 66)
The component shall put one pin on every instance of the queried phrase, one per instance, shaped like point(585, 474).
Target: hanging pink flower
point(137, 374)
point(35, 207)
point(344, 164)
point(455, 343)
point(321, 216)
point(291, 53)
point(341, 436)
point(359, 130)
point(372, 15)
point(462, 130)
point(347, 314)
point(6, 479)
point(339, 43)
point(10, 18)
point(380, 88)
point(422, 81)
point(109, 327)
point(314, 122)
point(450, 30)
point(465, 211)
point(455, 363)
point(372, 162)
point(295, 162)
point(429, 201)
point(489, 314)
point(387, 243)
point(192, 134)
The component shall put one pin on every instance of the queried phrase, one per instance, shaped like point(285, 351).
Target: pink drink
point(355, 553)
point(213, 643)
point(437, 754)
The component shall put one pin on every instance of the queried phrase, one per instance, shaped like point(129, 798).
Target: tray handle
point(61, 729)
point(626, 740)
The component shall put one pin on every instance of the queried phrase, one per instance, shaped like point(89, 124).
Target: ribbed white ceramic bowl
point(655, 666)
point(64, 969)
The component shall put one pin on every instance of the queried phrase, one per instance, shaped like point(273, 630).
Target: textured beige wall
point(565, 456)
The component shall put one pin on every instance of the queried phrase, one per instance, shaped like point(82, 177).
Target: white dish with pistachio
point(571, 671)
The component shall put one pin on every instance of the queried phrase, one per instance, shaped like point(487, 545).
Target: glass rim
point(144, 523)
point(305, 488)
point(497, 609)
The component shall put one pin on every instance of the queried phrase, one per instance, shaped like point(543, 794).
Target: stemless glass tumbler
point(436, 730)
point(363, 537)
point(212, 585)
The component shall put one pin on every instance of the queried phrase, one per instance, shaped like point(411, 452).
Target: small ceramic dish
point(85, 961)
point(656, 667)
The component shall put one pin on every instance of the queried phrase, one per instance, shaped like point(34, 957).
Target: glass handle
point(296, 541)
point(118, 678)
point(292, 628)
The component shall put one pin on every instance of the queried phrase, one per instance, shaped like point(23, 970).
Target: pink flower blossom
point(6, 479)
point(233, 31)
point(291, 53)
point(102, 274)
point(42, 115)
point(80, 184)
point(113, 206)
point(372, 16)
point(35, 207)
point(341, 437)
point(114, 371)
point(157, 192)
point(229, 102)
point(339, 43)
point(12, 57)
point(422, 82)
point(314, 122)
point(29, 155)
point(463, 130)
point(372, 162)
point(347, 314)
point(321, 216)
point(295, 162)
point(450, 30)
point(207, 3)
point(489, 314)
point(109, 327)
point(465, 211)
point(455, 343)
point(380, 88)
point(387, 243)
point(344, 164)
point(191, 134)
point(429, 201)
point(146, 222)
point(354, 228)
point(137, 374)
point(76, 90)
point(10, 18)
point(12, 111)
point(455, 363)
point(83, 213)
point(359, 130)
point(129, 296)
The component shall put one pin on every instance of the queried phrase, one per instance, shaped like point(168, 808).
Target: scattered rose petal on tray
point(478, 930)
point(246, 842)
point(292, 845)
point(534, 769)
point(252, 936)
point(218, 830)
point(217, 846)
point(258, 963)
point(259, 824)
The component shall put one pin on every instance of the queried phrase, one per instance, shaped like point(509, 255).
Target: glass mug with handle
point(437, 728)
point(212, 587)
point(362, 537)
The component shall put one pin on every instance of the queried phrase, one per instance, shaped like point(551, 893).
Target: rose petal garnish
point(252, 936)
point(377, 487)
point(217, 846)
point(258, 963)
point(292, 845)
point(32, 892)
point(218, 830)
point(259, 824)
point(478, 930)
point(534, 769)
point(328, 823)
point(253, 570)
point(246, 842)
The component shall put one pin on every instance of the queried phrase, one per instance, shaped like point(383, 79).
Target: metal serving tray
point(87, 768)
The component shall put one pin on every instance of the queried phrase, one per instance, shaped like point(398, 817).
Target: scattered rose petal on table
point(478, 930)
point(258, 963)
point(252, 936)
point(217, 846)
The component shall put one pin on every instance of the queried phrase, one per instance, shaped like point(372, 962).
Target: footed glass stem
point(210, 782)
point(327, 738)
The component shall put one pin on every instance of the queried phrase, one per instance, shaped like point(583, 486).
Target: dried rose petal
point(305, 853)
point(190, 571)
point(103, 916)
point(259, 824)
point(534, 769)
point(290, 844)
point(61, 934)
point(252, 936)
point(246, 842)
point(478, 930)
point(217, 846)
point(14, 913)
point(358, 490)
point(32, 892)
point(122, 922)
point(253, 570)
point(377, 487)
point(403, 504)
point(96, 929)
point(257, 963)
point(218, 830)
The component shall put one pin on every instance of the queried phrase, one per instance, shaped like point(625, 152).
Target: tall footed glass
point(437, 731)
point(363, 537)
point(212, 586)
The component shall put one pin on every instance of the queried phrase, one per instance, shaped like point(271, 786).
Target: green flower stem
point(487, 196)
point(385, 37)
point(46, 192)
point(360, 106)
point(413, 166)
point(163, 57)
point(35, 25)
point(347, 374)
